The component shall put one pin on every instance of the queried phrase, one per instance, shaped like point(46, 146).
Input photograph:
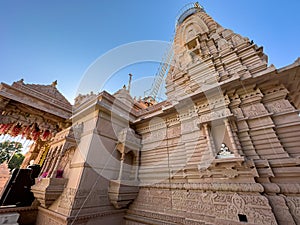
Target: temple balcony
point(47, 190)
point(124, 190)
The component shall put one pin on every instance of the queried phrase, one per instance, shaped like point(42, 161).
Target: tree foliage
point(8, 149)
point(16, 161)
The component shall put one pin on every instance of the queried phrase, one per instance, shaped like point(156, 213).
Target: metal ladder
point(162, 71)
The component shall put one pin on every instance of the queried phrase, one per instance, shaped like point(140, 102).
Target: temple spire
point(129, 82)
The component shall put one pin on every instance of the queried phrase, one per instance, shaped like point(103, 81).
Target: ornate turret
point(123, 95)
point(205, 53)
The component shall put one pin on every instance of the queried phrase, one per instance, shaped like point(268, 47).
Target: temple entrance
point(32, 115)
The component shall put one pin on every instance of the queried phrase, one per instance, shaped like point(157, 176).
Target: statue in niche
point(224, 152)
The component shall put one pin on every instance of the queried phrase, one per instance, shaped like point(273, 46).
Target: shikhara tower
point(229, 133)
point(222, 149)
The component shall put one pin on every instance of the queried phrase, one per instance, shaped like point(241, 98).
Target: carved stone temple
point(223, 148)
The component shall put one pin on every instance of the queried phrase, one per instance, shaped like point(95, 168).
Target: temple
point(223, 148)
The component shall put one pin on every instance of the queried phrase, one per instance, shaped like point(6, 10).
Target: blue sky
point(43, 41)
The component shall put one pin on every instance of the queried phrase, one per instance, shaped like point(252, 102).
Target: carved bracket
point(120, 194)
point(47, 190)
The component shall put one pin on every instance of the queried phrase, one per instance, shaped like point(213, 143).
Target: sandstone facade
point(222, 149)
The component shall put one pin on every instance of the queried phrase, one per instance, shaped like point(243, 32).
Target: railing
point(163, 69)
point(164, 66)
point(187, 10)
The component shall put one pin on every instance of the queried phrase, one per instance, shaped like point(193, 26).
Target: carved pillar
point(261, 126)
point(246, 144)
point(48, 161)
point(121, 148)
point(60, 155)
point(33, 153)
point(230, 134)
point(54, 161)
point(284, 116)
point(42, 154)
point(37, 159)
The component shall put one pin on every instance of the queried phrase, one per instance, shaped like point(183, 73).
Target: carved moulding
point(285, 201)
point(289, 189)
point(231, 187)
point(271, 188)
point(209, 207)
point(286, 189)
point(228, 168)
point(49, 217)
point(293, 202)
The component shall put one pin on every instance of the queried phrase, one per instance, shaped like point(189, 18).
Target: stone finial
point(129, 82)
point(54, 83)
point(21, 81)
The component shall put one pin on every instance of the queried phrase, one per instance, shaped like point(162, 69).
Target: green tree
point(16, 161)
point(8, 149)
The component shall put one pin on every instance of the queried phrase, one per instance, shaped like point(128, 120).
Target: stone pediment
point(43, 90)
point(41, 97)
point(34, 111)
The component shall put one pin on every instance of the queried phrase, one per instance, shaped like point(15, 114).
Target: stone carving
point(218, 78)
point(214, 115)
point(67, 198)
point(238, 40)
point(80, 99)
point(254, 110)
point(225, 167)
point(223, 44)
point(219, 205)
point(293, 203)
point(279, 106)
point(281, 211)
point(129, 137)
point(224, 152)
point(233, 187)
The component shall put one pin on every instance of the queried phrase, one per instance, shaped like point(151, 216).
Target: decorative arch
point(193, 27)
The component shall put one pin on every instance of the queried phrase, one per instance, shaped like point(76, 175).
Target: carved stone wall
point(207, 54)
point(186, 206)
point(220, 80)
point(220, 93)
